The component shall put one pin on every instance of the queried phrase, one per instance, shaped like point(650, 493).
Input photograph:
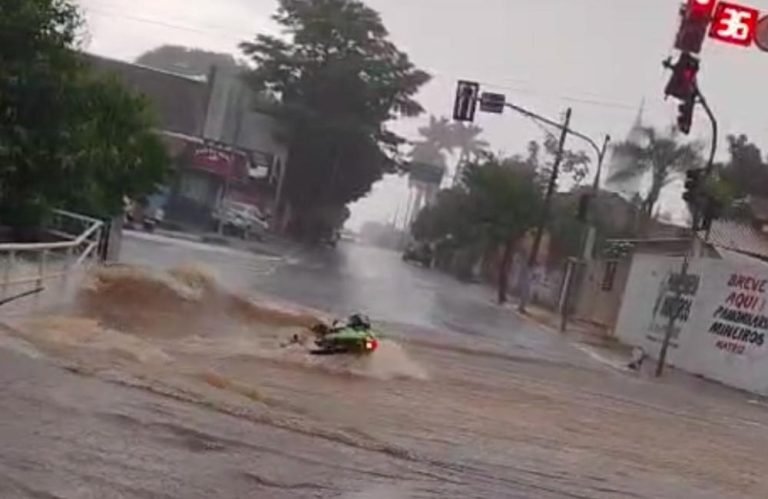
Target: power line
point(622, 106)
point(224, 32)
point(203, 28)
point(180, 27)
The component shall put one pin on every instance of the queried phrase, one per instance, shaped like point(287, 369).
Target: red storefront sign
point(227, 164)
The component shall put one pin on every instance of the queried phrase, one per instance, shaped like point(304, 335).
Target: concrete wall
point(598, 298)
point(232, 118)
point(179, 102)
point(723, 331)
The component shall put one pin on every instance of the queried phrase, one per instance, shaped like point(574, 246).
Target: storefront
point(208, 174)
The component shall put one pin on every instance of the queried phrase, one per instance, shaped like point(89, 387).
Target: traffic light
point(682, 84)
point(464, 107)
point(685, 114)
point(696, 17)
point(692, 186)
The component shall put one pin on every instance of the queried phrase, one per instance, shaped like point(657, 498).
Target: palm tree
point(471, 148)
point(659, 155)
point(438, 138)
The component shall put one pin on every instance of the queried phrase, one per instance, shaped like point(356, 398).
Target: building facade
point(222, 147)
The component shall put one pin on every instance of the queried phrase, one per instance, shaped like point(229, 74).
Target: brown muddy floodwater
point(427, 419)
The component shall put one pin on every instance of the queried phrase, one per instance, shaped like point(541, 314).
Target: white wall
point(738, 355)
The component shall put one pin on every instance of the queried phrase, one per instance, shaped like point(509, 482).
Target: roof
point(738, 237)
point(740, 258)
point(759, 207)
point(180, 101)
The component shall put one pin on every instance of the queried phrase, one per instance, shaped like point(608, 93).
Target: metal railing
point(29, 267)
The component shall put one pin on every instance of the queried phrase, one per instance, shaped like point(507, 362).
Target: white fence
point(722, 333)
point(33, 267)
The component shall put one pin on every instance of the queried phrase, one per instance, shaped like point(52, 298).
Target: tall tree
point(746, 171)
point(113, 152)
point(441, 137)
point(466, 138)
point(661, 156)
point(66, 138)
point(187, 61)
point(439, 132)
point(504, 203)
point(339, 80)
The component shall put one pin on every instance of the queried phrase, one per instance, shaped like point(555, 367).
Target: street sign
point(761, 34)
point(467, 93)
point(492, 103)
point(735, 24)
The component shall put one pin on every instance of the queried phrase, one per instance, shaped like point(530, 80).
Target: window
point(194, 187)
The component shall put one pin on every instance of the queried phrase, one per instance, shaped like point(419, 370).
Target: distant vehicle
point(331, 240)
point(242, 220)
point(418, 253)
point(153, 218)
point(347, 235)
point(143, 215)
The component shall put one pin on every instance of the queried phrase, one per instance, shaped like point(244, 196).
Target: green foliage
point(661, 156)
point(504, 199)
point(497, 202)
point(339, 81)
point(541, 158)
point(66, 139)
point(742, 180)
point(446, 220)
point(573, 164)
point(36, 69)
point(113, 152)
point(746, 171)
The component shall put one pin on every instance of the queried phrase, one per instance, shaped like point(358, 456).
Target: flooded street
point(164, 380)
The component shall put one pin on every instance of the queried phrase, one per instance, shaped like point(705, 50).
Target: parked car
point(242, 220)
point(418, 253)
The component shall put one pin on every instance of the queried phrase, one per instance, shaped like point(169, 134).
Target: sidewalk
point(272, 246)
point(595, 340)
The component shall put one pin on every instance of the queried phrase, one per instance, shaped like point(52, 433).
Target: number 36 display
point(735, 24)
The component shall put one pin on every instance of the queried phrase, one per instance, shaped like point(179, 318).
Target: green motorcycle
point(354, 337)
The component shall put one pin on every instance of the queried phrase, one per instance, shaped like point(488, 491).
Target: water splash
point(157, 318)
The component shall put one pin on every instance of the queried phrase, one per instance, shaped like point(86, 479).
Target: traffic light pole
point(599, 151)
point(526, 291)
point(713, 121)
point(588, 235)
point(677, 308)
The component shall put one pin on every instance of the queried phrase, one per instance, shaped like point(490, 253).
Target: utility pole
point(678, 301)
point(526, 291)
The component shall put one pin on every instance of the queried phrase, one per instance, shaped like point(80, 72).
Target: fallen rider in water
point(353, 337)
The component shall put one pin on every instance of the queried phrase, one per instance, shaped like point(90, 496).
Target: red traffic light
point(701, 8)
point(696, 17)
point(682, 84)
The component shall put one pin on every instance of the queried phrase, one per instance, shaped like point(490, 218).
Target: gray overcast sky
point(601, 57)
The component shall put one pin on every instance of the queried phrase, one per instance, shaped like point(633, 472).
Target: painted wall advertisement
point(738, 323)
point(722, 329)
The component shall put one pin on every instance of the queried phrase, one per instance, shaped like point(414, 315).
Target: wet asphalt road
point(356, 278)
point(527, 415)
point(71, 436)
